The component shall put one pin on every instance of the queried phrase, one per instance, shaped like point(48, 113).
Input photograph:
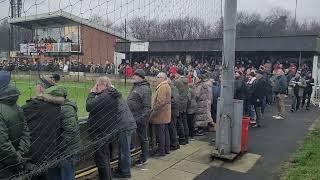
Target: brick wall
point(97, 46)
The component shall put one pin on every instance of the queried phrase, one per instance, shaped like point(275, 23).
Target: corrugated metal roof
point(62, 17)
point(310, 43)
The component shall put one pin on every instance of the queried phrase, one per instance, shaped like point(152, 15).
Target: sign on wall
point(49, 47)
point(32, 47)
point(23, 48)
point(139, 46)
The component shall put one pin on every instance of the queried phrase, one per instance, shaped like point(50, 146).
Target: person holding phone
point(297, 84)
point(307, 91)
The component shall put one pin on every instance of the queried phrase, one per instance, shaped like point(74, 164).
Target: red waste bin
point(244, 135)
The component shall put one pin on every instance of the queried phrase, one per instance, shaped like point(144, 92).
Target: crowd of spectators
point(184, 105)
point(57, 66)
point(213, 65)
point(48, 40)
point(209, 65)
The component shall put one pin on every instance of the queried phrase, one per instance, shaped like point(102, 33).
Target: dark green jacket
point(71, 130)
point(175, 100)
point(182, 86)
point(192, 102)
point(71, 141)
point(14, 133)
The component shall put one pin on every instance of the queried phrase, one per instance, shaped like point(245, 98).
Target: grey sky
point(118, 10)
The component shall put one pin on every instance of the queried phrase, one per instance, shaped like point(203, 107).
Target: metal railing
point(29, 48)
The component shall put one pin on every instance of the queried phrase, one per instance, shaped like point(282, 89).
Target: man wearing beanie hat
point(15, 137)
point(139, 102)
point(140, 73)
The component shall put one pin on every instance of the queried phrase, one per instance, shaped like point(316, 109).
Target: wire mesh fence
point(65, 37)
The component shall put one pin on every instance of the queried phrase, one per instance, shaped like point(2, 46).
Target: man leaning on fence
point(102, 105)
point(70, 144)
point(45, 121)
point(14, 133)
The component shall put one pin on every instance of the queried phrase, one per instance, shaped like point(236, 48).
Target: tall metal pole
point(227, 84)
point(125, 68)
point(15, 7)
point(295, 13)
point(125, 29)
point(300, 56)
point(12, 34)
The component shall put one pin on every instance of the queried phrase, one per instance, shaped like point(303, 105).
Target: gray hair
point(162, 75)
point(104, 80)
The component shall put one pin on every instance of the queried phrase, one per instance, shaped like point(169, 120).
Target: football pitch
point(77, 91)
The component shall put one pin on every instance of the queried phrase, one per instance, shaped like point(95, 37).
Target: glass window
point(71, 32)
point(57, 32)
point(40, 33)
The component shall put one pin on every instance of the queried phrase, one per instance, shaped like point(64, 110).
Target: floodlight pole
point(15, 8)
point(227, 83)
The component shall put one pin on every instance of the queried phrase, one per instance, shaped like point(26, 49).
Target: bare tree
point(278, 22)
point(97, 19)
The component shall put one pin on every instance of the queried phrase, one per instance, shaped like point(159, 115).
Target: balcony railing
point(49, 47)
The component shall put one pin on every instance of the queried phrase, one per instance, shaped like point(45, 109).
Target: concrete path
point(269, 147)
point(185, 163)
point(275, 142)
point(188, 163)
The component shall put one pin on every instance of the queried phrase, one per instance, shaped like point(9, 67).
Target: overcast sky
point(118, 10)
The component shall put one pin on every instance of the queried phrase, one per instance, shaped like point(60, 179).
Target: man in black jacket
point(139, 102)
point(44, 119)
point(307, 91)
point(102, 105)
point(258, 95)
point(239, 86)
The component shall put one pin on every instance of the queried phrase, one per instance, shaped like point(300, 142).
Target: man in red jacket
point(128, 71)
point(173, 70)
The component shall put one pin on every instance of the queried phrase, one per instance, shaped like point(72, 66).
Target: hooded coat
point(175, 100)
point(45, 121)
point(192, 102)
point(71, 129)
point(182, 86)
point(71, 140)
point(204, 97)
point(14, 133)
